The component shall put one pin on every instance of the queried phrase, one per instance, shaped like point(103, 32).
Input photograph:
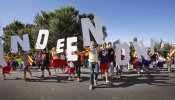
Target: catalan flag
point(172, 51)
point(30, 60)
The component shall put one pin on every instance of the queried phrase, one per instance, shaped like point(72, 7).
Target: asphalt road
point(147, 86)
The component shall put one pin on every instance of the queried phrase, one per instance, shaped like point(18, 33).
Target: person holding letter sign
point(45, 61)
point(5, 68)
point(111, 59)
point(93, 65)
point(104, 60)
point(55, 59)
point(25, 63)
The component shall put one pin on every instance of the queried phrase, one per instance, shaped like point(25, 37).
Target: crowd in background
point(100, 58)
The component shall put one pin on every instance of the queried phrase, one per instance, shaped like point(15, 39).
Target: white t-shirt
point(71, 64)
point(161, 59)
point(62, 57)
point(4, 64)
point(55, 56)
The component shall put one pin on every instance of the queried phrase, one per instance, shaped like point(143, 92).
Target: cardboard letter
point(152, 46)
point(60, 43)
point(95, 30)
point(71, 49)
point(38, 42)
point(1, 52)
point(23, 43)
point(119, 48)
point(137, 49)
point(144, 50)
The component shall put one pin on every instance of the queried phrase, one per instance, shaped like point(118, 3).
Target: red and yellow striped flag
point(172, 51)
point(30, 60)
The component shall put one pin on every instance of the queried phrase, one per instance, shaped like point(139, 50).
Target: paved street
point(147, 86)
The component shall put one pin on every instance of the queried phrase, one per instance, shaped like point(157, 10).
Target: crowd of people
point(96, 58)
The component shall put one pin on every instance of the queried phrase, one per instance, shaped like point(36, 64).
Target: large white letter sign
point(71, 49)
point(38, 42)
point(137, 49)
point(1, 46)
point(119, 48)
point(59, 45)
point(1, 52)
point(152, 46)
point(144, 50)
point(96, 31)
point(23, 43)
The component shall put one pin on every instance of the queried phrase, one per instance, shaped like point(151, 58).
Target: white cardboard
point(1, 52)
point(95, 30)
point(71, 49)
point(152, 46)
point(137, 49)
point(60, 43)
point(144, 50)
point(120, 47)
point(23, 43)
point(38, 42)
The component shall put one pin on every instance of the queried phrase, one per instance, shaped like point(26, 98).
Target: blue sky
point(124, 19)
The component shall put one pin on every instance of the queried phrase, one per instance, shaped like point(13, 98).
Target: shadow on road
point(150, 78)
point(129, 79)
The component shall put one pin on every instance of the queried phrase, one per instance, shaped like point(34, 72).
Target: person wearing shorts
point(104, 61)
point(45, 62)
point(25, 63)
point(5, 68)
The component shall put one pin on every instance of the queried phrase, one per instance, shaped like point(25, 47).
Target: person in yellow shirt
point(93, 65)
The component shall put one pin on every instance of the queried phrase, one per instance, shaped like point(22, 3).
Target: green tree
point(166, 48)
point(18, 28)
point(158, 46)
point(135, 39)
point(62, 23)
point(162, 47)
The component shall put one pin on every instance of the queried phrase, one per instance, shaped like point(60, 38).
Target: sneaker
point(107, 81)
point(91, 87)
point(95, 82)
point(138, 72)
point(78, 79)
point(69, 79)
point(141, 70)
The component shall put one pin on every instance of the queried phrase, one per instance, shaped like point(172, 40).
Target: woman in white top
point(160, 61)
point(5, 69)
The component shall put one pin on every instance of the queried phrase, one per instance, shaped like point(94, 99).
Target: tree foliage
point(62, 23)
point(18, 28)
